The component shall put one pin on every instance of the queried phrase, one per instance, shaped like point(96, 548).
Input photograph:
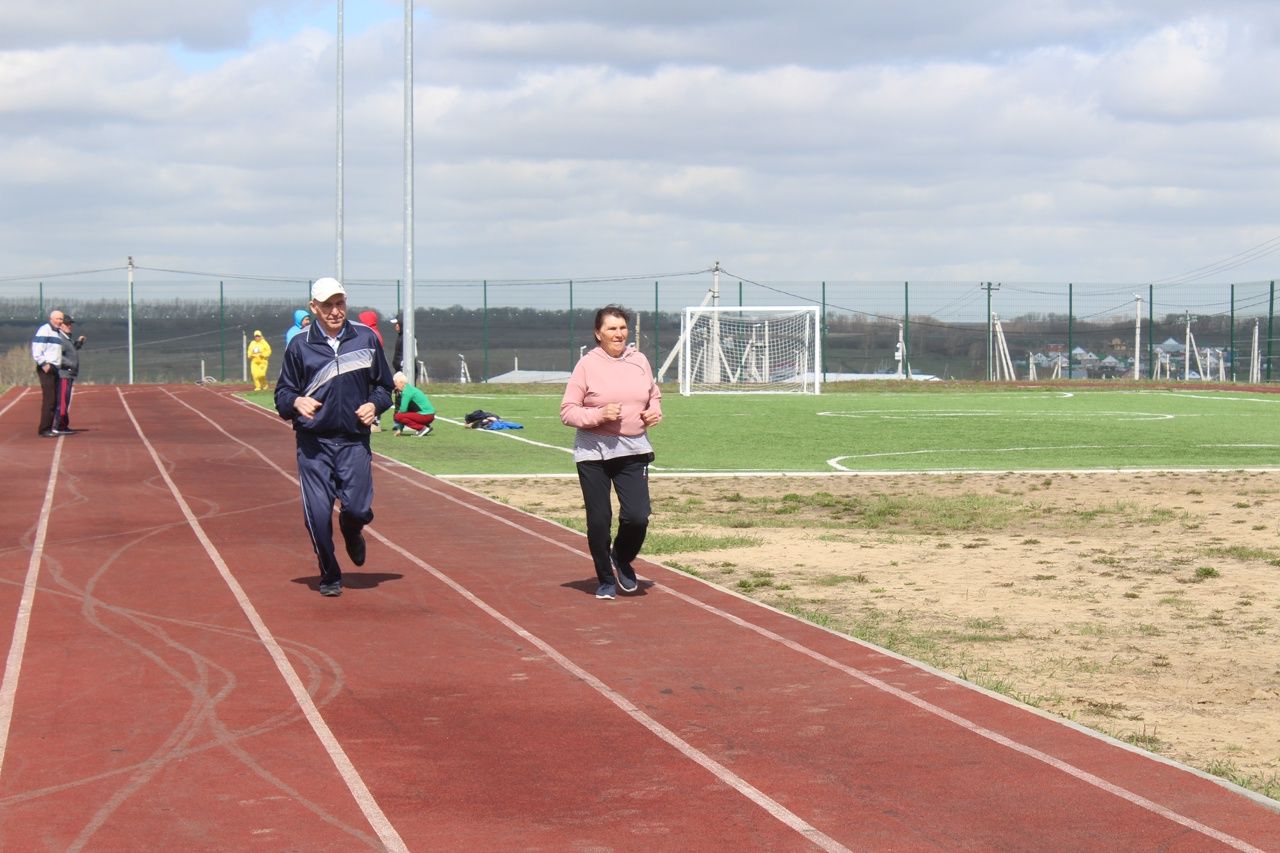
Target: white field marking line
point(937, 414)
point(359, 791)
point(722, 773)
point(14, 401)
point(22, 623)
point(801, 475)
point(964, 723)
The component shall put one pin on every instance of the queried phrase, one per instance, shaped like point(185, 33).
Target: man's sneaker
point(331, 589)
point(626, 574)
point(355, 547)
point(424, 431)
point(607, 590)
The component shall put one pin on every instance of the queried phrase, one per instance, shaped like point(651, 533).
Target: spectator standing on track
point(612, 400)
point(414, 409)
point(259, 354)
point(46, 351)
point(333, 385)
point(68, 370)
point(301, 320)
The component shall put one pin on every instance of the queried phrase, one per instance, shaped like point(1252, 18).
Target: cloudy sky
point(1032, 140)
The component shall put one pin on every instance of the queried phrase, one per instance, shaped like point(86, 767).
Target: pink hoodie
point(598, 380)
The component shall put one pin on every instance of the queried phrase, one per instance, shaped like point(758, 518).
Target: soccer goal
point(750, 350)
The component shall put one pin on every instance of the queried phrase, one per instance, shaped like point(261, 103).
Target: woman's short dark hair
point(611, 311)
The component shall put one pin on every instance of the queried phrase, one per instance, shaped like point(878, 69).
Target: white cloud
point(824, 140)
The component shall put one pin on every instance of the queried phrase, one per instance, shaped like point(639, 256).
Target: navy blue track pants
point(332, 467)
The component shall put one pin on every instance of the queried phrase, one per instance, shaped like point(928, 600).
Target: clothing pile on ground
point(480, 419)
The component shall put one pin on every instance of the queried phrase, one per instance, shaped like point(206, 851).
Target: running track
point(173, 681)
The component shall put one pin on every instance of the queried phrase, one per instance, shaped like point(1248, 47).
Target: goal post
point(750, 350)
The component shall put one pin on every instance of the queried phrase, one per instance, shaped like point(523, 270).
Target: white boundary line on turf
point(775, 809)
point(22, 622)
point(802, 475)
point(924, 705)
point(355, 784)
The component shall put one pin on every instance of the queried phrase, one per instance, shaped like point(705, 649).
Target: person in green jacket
point(415, 412)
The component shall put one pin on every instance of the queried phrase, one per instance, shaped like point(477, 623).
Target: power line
point(1262, 250)
point(59, 274)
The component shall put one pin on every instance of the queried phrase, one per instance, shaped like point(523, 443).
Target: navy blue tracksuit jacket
point(334, 458)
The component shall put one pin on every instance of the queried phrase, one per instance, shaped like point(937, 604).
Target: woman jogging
point(612, 399)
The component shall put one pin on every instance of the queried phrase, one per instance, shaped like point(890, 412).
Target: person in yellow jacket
point(259, 354)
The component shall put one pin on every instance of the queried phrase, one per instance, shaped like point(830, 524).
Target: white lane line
point(22, 623)
point(355, 784)
point(688, 750)
point(14, 401)
point(722, 773)
point(924, 705)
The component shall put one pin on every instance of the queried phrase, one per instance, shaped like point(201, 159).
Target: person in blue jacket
point(301, 320)
point(333, 385)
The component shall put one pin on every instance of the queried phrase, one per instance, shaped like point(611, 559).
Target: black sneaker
point(355, 548)
point(626, 575)
point(331, 590)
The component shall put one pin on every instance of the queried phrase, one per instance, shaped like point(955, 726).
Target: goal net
point(750, 350)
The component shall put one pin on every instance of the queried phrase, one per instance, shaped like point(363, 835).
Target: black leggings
point(629, 476)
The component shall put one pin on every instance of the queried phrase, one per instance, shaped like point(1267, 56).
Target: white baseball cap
point(326, 287)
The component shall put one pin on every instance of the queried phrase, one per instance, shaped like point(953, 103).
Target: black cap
point(66, 318)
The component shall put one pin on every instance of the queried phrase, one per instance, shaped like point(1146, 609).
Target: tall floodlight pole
point(410, 346)
point(338, 219)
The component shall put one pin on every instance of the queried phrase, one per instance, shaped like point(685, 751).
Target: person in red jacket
point(612, 400)
point(370, 319)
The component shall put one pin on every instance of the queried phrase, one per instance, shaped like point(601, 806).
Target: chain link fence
point(187, 328)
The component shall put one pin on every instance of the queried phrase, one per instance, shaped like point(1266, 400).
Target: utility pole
point(1137, 338)
point(131, 322)
point(988, 287)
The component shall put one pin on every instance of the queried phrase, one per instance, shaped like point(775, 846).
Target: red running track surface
point(175, 681)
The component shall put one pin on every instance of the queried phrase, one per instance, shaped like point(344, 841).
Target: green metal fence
point(186, 327)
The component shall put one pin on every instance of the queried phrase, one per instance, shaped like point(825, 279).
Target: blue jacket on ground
point(344, 381)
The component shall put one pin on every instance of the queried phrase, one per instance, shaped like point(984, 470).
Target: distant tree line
point(171, 339)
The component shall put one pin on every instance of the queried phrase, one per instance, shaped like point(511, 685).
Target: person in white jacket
point(46, 351)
